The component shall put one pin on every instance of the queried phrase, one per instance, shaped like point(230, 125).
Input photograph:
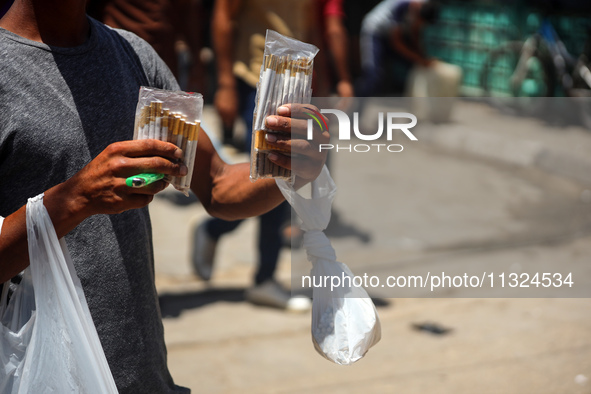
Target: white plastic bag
point(345, 323)
point(48, 342)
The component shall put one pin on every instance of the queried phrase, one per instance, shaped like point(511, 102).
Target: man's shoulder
point(140, 51)
point(138, 43)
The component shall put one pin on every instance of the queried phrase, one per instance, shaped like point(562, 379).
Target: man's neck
point(60, 23)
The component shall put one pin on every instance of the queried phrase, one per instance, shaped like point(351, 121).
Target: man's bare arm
point(223, 28)
point(338, 43)
point(98, 188)
point(226, 191)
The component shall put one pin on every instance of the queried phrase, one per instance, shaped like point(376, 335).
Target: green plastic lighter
point(142, 180)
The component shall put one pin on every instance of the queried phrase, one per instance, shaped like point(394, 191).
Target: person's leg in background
point(270, 242)
point(266, 290)
point(207, 234)
point(205, 238)
point(372, 57)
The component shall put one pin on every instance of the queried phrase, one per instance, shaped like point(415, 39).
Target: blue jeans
point(383, 69)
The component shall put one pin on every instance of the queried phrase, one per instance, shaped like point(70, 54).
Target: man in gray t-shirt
point(68, 91)
point(51, 128)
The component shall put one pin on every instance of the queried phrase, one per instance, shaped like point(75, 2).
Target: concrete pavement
point(218, 343)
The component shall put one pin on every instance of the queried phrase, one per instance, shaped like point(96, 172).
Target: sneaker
point(271, 293)
point(203, 252)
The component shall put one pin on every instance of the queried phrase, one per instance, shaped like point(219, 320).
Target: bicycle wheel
point(503, 82)
point(582, 90)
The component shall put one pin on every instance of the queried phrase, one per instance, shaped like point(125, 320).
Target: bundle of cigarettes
point(173, 117)
point(286, 77)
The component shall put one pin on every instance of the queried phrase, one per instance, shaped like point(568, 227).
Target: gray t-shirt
point(59, 108)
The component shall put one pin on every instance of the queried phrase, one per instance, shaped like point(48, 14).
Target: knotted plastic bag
point(48, 341)
point(345, 323)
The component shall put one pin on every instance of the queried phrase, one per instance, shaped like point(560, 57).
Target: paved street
point(483, 193)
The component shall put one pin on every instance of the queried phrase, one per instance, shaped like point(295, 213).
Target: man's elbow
point(213, 208)
point(222, 210)
point(217, 212)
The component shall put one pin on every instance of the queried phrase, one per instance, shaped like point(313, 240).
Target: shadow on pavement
point(380, 302)
point(177, 198)
point(171, 305)
point(338, 228)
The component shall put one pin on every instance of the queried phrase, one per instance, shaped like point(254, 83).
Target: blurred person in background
point(392, 32)
point(333, 63)
point(172, 27)
point(238, 35)
point(355, 11)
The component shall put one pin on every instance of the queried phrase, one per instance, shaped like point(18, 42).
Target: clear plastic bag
point(345, 323)
point(172, 116)
point(48, 341)
point(285, 77)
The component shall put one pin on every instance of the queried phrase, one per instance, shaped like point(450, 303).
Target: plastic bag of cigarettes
point(345, 323)
point(174, 117)
point(285, 77)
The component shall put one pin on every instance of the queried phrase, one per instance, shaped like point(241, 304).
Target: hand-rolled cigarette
point(308, 82)
point(260, 170)
point(298, 82)
point(192, 150)
point(165, 124)
point(177, 135)
point(286, 75)
point(171, 126)
point(157, 120)
point(138, 126)
point(292, 81)
point(178, 139)
point(152, 124)
point(175, 121)
point(265, 87)
point(277, 86)
point(183, 135)
point(275, 170)
point(188, 132)
point(144, 123)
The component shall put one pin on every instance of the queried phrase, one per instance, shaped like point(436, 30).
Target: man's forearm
point(14, 253)
point(14, 256)
point(98, 188)
point(234, 196)
point(336, 37)
point(223, 38)
point(225, 190)
point(400, 46)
